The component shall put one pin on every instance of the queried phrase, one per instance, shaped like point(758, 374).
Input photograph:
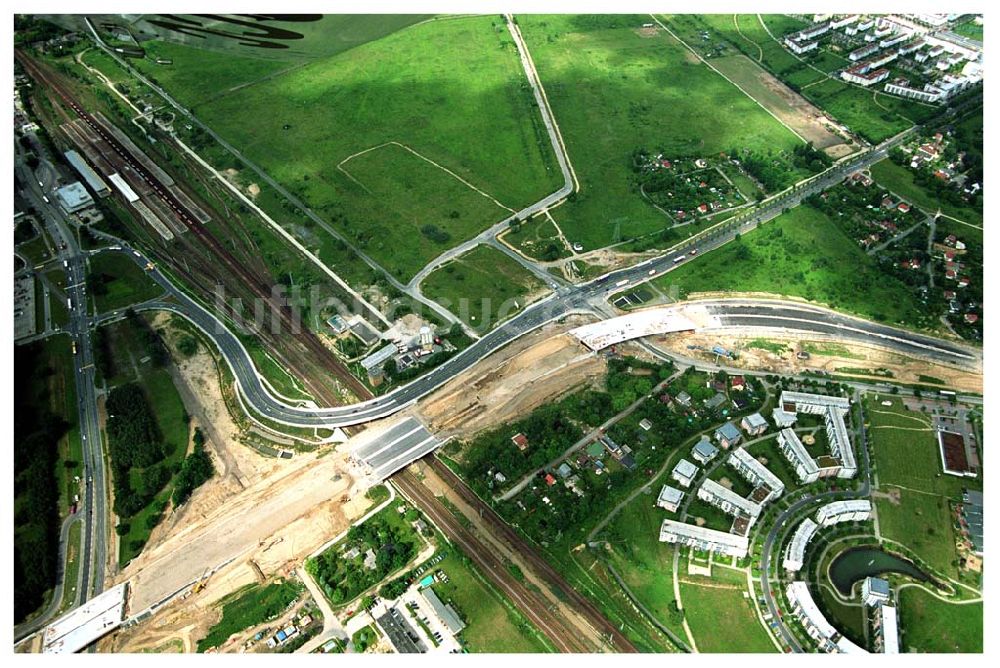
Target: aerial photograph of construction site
point(482, 332)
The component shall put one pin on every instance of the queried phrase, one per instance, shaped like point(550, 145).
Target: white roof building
point(804, 402)
point(703, 538)
point(670, 498)
point(840, 442)
point(83, 625)
point(888, 633)
point(782, 418)
point(795, 553)
point(855, 510)
point(684, 472)
point(756, 473)
point(793, 450)
point(727, 500)
point(807, 612)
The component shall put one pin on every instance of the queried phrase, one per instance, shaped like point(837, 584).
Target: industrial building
point(444, 612)
point(756, 474)
point(705, 539)
point(90, 177)
point(795, 553)
point(74, 197)
point(727, 500)
point(670, 498)
point(855, 510)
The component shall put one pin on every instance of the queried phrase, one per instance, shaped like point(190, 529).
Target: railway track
point(531, 604)
point(582, 604)
point(260, 288)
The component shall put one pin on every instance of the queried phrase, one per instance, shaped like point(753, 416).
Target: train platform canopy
point(80, 627)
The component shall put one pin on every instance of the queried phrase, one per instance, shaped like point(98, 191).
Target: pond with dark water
point(857, 563)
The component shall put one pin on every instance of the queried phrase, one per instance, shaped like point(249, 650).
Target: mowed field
point(907, 459)
point(721, 617)
point(933, 625)
point(614, 88)
point(801, 253)
point(482, 287)
point(451, 90)
point(793, 110)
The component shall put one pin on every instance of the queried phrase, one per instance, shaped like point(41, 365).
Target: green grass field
point(249, 606)
point(804, 254)
point(642, 561)
point(923, 523)
point(932, 625)
point(711, 607)
point(900, 180)
point(493, 624)
point(763, 87)
point(452, 90)
point(428, 209)
point(613, 90)
point(538, 238)
point(482, 287)
point(123, 282)
point(969, 29)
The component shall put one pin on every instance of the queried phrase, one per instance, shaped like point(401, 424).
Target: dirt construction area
point(779, 354)
point(536, 369)
point(257, 517)
point(791, 108)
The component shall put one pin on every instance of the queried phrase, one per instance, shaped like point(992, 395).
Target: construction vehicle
point(200, 584)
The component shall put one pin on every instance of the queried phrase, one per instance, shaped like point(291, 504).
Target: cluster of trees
point(150, 339)
point(568, 517)
point(549, 430)
point(435, 234)
point(807, 157)
point(630, 378)
point(135, 444)
point(770, 169)
point(36, 514)
point(344, 579)
point(195, 470)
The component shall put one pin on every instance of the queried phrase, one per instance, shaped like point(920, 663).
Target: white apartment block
point(795, 553)
point(793, 450)
point(756, 473)
point(855, 510)
point(702, 538)
point(670, 498)
point(727, 500)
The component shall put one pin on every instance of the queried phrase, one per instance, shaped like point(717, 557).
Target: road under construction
point(589, 297)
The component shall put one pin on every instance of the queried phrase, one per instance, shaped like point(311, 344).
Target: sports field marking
point(340, 166)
